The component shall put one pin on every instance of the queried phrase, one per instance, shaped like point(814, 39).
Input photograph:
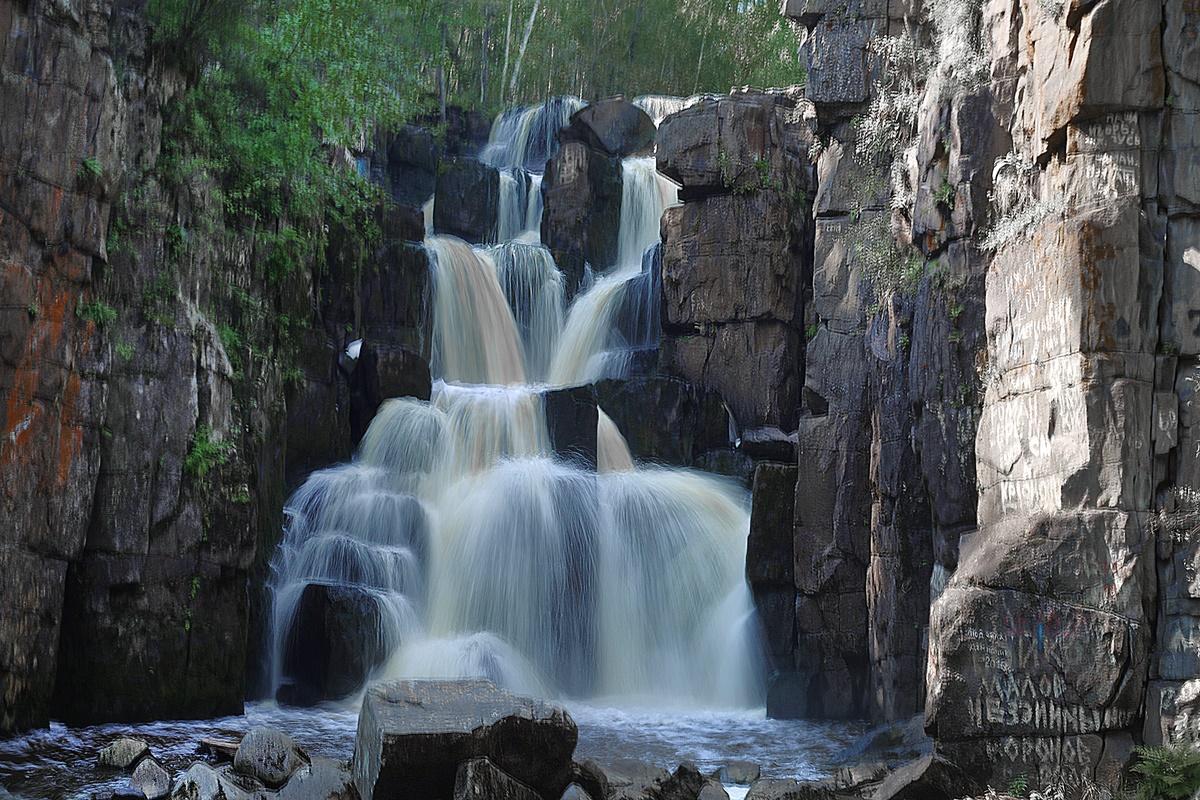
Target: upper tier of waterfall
point(484, 552)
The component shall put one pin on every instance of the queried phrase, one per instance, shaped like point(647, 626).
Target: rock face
point(664, 419)
point(581, 191)
point(734, 258)
point(335, 642)
point(160, 392)
point(467, 200)
point(412, 736)
point(480, 779)
point(571, 422)
point(614, 126)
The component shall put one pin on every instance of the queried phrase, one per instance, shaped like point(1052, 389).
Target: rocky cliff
point(164, 378)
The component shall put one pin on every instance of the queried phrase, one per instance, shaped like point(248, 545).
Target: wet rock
point(571, 422)
point(480, 779)
point(629, 778)
point(202, 782)
point(614, 126)
point(664, 419)
point(383, 372)
point(789, 789)
point(591, 778)
point(684, 783)
point(334, 641)
point(412, 736)
point(712, 790)
point(467, 200)
point(318, 409)
point(743, 772)
point(269, 756)
point(575, 792)
point(151, 779)
point(323, 779)
point(581, 189)
point(123, 753)
point(412, 156)
point(927, 778)
point(770, 563)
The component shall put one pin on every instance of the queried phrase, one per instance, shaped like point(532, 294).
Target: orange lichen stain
point(54, 319)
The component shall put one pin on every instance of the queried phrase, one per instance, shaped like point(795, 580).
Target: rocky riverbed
point(63, 760)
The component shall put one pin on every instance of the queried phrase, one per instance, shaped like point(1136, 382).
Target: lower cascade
point(477, 550)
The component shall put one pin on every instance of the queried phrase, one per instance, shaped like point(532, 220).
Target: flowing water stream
point(619, 590)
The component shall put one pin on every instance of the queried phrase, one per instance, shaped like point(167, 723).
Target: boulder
point(581, 219)
point(323, 779)
point(202, 782)
point(927, 778)
point(740, 143)
point(571, 420)
point(712, 790)
point(575, 792)
point(467, 201)
point(743, 772)
point(636, 780)
point(665, 419)
point(334, 642)
point(614, 126)
point(269, 756)
point(480, 779)
point(789, 789)
point(412, 736)
point(590, 777)
point(123, 753)
point(151, 779)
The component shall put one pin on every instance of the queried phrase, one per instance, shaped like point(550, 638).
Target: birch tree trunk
point(512, 89)
point(507, 43)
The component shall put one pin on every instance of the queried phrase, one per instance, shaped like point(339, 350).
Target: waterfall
point(528, 137)
point(612, 451)
point(658, 107)
point(475, 336)
point(485, 553)
point(533, 286)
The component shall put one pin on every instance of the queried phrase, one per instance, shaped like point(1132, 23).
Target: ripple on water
point(61, 762)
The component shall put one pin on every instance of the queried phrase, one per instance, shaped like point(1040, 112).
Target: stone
point(1181, 286)
point(323, 779)
point(571, 420)
point(202, 782)
point(467, 201)
point(383, 372)
point(742, 772)
point(614, 126)
point(838, 59)
point(769, 558)
point(712, 790)
point(412, 157)
point(480, 779)
point(730, 258)
point(123, 753)
point(334, 642)
point(927, 778)
point(664, 419)
point(269, 756)
point(575, 792)
point(412, 735)
point(581, 217)
point(151, 779)
point(789, 789)
point(741, 143)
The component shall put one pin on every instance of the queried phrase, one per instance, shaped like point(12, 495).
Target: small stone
point(123, 753)
point(268, 755)
point(151, 779)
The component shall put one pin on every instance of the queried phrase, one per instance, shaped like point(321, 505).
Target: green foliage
point(955, 310)
point(1166, 773)
point(90, 169)
point(205, 454)
point(95, 311)
point(811, 331)
point(125, 351)
point(33, 309)
point(1018, 786)
point(945, 194)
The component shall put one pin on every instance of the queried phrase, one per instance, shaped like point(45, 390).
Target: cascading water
point(489, 555)
point(658, 106)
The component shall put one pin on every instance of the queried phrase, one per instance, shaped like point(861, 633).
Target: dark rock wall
point(161, 390)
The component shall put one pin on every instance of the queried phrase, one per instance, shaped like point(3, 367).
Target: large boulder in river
point(412, 736)
point(334, 642)
point(123, 753)
point(581, 218)
point(480, 779)
point(615, 126)
point(467, 200)
point(269, 756)
point(571, 419)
